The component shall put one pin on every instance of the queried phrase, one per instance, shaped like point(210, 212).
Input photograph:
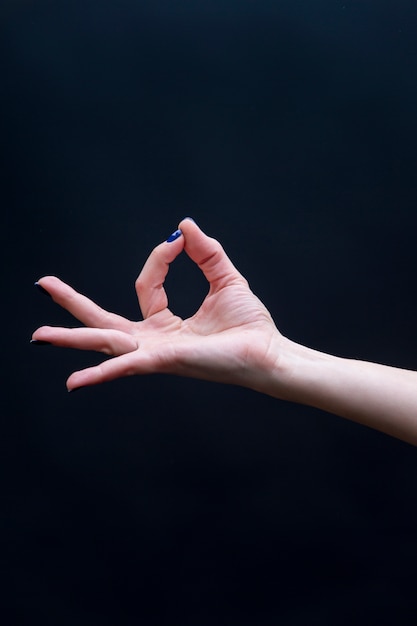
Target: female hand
point(231, 338)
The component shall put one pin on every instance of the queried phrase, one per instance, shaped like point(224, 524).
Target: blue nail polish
point(174, 236)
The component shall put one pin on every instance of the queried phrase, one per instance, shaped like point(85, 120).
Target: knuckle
point(244, 282)
point(128, 370)
point(212, 258)
point(159, 252)
point(216, 245)
point(139, 283)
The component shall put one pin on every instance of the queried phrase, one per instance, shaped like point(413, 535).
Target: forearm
point(381, 397)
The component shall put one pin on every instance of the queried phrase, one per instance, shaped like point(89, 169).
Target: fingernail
point(75, 389)
point(42, 290)
point(189, 218)
point(40, 342)
point(174, 236)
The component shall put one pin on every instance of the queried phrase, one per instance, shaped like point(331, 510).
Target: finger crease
point(209, 258)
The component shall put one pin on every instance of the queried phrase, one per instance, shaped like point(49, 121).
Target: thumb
point(209, 255)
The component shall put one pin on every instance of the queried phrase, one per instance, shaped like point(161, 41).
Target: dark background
point(288, 130)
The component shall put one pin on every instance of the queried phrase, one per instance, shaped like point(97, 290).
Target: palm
point(206, 337)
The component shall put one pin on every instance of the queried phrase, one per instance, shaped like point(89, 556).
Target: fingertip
point(171, 247)
point(188, 224)
point(73, 389)
point(41, 289)
point(47, 283)
point(47, 278)
point(44, 331)
point(76, 381)
point(191, 219)
point(175, 235)
point(194, 236)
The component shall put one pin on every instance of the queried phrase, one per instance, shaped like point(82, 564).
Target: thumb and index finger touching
point(205, 251)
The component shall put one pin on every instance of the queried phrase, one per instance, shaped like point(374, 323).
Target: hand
point(231, 338)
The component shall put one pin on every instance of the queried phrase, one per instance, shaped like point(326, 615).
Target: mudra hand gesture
point(228, 339)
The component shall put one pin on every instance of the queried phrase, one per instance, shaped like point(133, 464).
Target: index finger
point(150, 282)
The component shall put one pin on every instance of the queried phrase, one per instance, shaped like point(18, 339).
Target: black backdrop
point(288, 131)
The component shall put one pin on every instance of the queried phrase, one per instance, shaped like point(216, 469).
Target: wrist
point(291, 371)
point(375, 395)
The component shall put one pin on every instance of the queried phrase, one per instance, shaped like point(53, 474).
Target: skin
point(230, 339)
